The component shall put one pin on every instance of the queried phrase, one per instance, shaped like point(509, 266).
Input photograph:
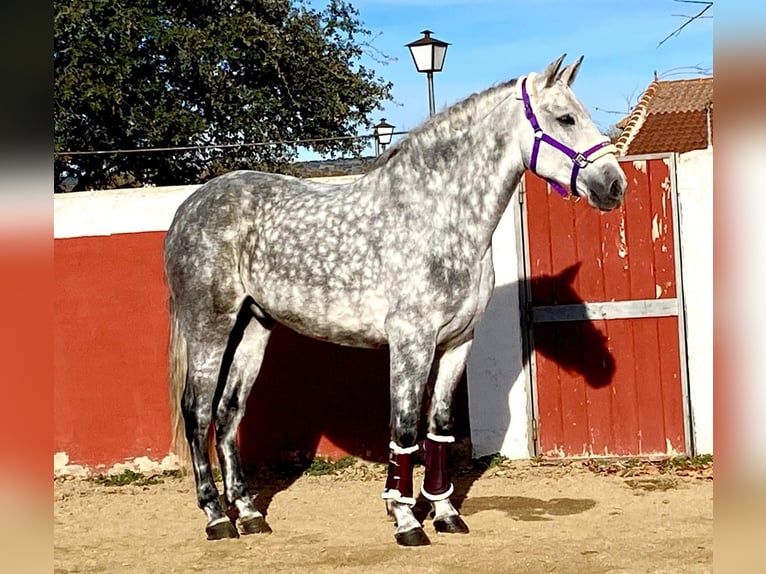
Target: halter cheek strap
point(579, 160)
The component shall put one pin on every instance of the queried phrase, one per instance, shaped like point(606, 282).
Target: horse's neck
point(477, 173)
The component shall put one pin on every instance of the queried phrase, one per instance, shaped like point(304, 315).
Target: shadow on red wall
point(314, 397)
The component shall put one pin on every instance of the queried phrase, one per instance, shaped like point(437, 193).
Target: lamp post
point(428, 54)
point(383, 134)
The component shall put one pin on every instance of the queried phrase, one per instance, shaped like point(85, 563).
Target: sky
point(494, 40)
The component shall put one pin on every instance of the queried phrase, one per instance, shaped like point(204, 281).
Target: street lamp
point(428, 54)
point(383, 134)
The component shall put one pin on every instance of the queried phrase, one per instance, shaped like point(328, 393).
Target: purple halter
point(579, 160)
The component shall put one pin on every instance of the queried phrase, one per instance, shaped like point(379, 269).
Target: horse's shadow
point(310, 391)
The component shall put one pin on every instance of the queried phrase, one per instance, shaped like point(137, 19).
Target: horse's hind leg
point(437, 486)
point(204, 361)
point(231, 409)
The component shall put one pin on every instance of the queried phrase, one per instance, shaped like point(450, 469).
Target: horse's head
point(561, 142)
point(579, 347)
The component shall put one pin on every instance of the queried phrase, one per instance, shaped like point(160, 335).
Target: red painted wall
point(110, 349)
point(111, 398)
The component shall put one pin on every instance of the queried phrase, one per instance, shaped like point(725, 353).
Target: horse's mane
point(459, 113)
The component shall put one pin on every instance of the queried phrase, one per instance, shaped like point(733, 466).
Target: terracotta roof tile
point(671, 116)
point(678, 132)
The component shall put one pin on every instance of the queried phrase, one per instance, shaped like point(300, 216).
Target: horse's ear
point(569, 274)
point(550, 73)
point(569, 73)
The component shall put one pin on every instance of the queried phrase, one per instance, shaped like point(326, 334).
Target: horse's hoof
point(451, 524)
point(254, 525)
point(221, 530)
point(414, 537)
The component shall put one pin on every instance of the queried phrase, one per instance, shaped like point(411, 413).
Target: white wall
point(92, 213)
point(498, 395)
point(694, 171)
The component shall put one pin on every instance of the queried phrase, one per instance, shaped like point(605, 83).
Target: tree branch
point(690, 19)
point(683, 70)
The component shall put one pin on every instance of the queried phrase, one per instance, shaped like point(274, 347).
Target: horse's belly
point(355, 321)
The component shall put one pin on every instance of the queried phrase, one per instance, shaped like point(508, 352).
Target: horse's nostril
point(616, 189)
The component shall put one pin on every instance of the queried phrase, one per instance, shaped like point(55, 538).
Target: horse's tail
point(177, 383)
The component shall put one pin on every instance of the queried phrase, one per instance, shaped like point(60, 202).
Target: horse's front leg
point(437, 484)
point(411, 358)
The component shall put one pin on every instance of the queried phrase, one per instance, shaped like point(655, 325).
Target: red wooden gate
point(603, 308)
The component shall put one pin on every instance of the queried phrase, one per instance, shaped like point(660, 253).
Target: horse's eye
point(566, 119)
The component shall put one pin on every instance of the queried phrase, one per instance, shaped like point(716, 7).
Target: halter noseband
point(579, 160)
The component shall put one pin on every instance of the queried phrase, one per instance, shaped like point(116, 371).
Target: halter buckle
point(580, 160)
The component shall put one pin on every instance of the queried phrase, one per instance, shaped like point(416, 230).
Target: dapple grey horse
point(400, 258)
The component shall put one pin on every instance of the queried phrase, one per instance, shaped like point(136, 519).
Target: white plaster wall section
point(142, 464)
point(94, 213)
point(497, 387)
point(695, 191)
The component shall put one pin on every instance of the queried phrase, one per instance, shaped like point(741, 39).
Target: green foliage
point(682, 464)
point(321, 465)
point(697, 462)
point(489, 461)
point(168, 73)
point(135, 478)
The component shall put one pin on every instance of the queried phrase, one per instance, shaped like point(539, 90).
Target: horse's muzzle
point(608, 195)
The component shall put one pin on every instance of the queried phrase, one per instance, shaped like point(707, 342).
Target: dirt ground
point(524, 518)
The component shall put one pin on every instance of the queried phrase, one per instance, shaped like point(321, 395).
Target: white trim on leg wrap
point(401, 450)
point(438, 438)
point(396, 496)
point(442, 496)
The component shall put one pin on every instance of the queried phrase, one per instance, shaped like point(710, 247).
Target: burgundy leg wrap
point(399, 481)
point(437, 484)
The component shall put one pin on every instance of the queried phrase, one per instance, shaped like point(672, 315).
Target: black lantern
point(428, 54)
point(383, 134)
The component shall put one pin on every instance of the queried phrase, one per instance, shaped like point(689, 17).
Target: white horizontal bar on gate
point(635, 309)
